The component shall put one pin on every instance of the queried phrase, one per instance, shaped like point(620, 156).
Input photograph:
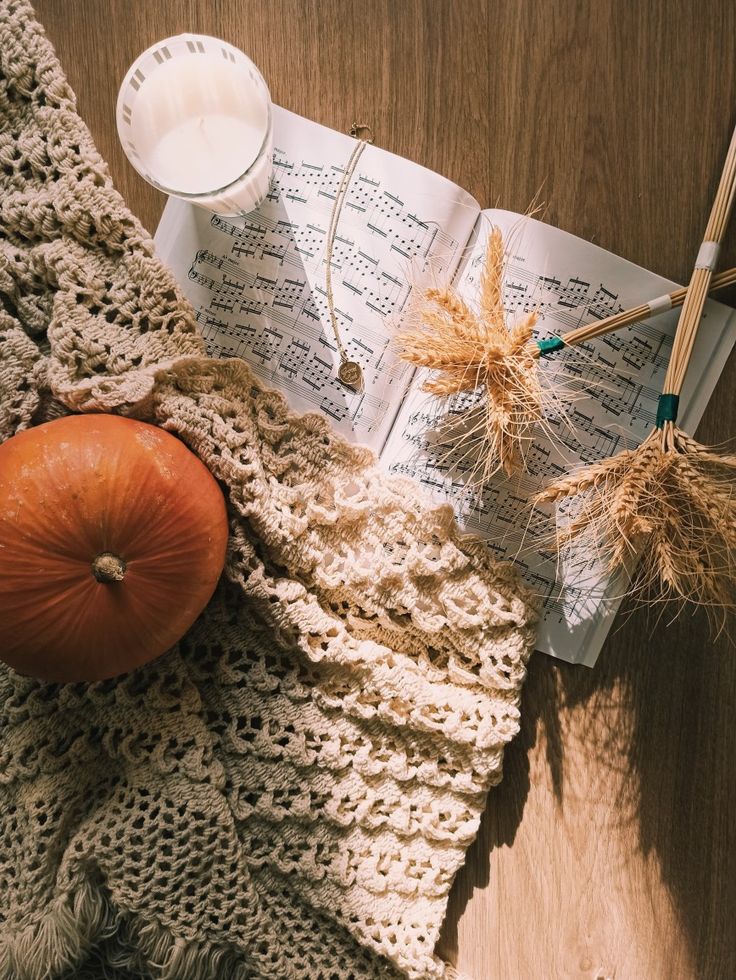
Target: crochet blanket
point(291, 790)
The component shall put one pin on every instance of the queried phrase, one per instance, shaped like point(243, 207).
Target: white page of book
point(257, 282)
point(608, 401)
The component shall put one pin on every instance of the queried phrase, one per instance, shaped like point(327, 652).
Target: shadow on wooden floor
point(666, 718)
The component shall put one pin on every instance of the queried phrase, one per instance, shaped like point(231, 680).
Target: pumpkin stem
point(108, 568)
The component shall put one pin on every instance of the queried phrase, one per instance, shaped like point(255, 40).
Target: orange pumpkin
point(112, 539)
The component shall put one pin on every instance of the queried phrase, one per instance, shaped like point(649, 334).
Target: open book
point(257, 284)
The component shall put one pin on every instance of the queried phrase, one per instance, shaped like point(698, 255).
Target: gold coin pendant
point(350, 374)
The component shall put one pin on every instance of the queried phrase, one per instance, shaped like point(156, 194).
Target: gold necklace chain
point(349, 372)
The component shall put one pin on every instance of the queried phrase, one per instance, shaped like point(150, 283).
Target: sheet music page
point(609, 390)
point(257, 283)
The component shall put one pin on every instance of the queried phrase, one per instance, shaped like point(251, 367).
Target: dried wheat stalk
point(670, 500)
point(469, 349)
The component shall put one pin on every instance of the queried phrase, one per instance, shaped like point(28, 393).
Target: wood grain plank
point(610, 848)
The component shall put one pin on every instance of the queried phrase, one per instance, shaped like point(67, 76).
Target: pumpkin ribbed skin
point(112, 539)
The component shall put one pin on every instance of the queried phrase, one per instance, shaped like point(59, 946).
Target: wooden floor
point(610, 848)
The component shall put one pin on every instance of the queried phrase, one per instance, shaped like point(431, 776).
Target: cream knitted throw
point(290, 791)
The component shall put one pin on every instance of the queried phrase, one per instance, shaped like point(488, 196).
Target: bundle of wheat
point(670, 500)
point(469, 350)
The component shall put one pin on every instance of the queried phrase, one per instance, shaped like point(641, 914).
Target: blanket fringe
point(80, 921)
point(60, 939)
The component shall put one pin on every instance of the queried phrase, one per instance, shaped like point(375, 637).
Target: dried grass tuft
point(670, 504)
point(471, 350)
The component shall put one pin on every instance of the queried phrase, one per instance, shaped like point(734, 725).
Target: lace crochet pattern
point(291, 790)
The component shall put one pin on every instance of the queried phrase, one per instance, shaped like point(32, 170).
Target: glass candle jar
point(194, 118)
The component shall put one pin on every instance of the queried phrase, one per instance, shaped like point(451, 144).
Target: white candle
point(194, 118)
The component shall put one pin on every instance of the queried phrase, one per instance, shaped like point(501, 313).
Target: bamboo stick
point(636, 314)
point(697, 291)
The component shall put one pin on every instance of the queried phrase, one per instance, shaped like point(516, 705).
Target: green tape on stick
point(550, 345)
point(667, 409)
